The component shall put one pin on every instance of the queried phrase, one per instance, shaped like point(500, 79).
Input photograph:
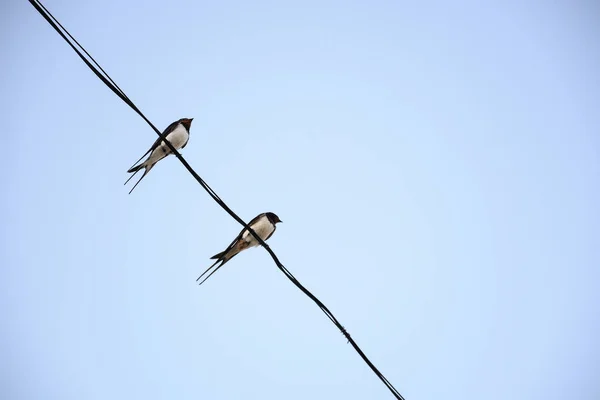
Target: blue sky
point(435, 165)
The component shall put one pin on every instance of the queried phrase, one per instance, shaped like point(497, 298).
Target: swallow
point(263, 224)
point(178, 134)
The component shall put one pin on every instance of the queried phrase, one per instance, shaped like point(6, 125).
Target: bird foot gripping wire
point(345, 333)
point(107, 80)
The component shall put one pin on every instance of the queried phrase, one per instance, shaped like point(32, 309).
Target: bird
point(178, 134)
point(263, 224)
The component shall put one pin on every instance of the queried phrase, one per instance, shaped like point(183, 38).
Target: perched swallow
point(178, 134)
point(263, 225)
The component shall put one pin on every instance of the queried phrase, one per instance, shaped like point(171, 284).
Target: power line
point(104, 77)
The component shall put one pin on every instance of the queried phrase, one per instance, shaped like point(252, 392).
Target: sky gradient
point(436, 168)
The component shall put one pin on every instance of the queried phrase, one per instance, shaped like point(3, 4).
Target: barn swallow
point(263, 225)
point(178, 134)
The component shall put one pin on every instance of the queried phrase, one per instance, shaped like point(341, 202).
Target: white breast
point(263, 228)
point(178, 137)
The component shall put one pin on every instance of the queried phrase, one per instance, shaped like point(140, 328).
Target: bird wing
point(169, 129)
point(237, 238)
point(221, 257)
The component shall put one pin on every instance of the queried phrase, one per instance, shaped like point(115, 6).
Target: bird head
point(186, 122)
point(273, 218)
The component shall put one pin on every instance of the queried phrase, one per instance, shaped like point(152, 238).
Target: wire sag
point(104, 77)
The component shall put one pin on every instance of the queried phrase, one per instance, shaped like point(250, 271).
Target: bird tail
point(222, 257)
point(146, 170)
point(135, 168)
point(213, 271)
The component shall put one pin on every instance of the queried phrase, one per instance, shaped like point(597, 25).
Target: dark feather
point(220, 257)
point(169, 129)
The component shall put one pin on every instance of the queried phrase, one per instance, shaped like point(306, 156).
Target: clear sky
point(436, 166)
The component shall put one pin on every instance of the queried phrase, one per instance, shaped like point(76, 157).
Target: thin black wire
point(84, 50)
point(104, 77)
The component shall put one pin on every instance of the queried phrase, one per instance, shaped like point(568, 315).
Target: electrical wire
point(107, 80)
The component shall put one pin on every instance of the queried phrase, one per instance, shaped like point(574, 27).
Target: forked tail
point(212, 272)
point(218, 255)
point(137, 169)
